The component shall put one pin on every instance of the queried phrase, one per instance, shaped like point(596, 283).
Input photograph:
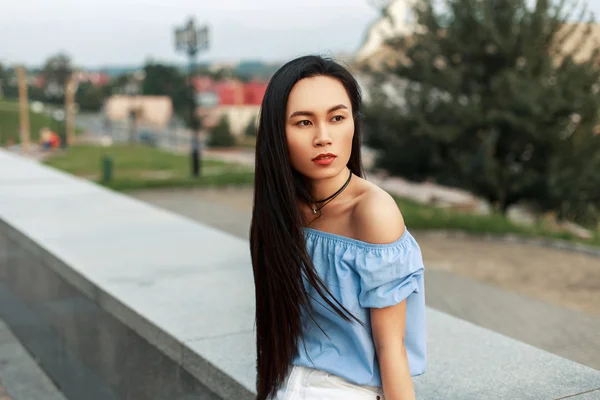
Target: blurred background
point(481, 119)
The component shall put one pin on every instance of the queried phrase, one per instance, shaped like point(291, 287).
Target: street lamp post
point(191, 40)
point(132, 90)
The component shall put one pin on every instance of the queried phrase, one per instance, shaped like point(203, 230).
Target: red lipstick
point(324, 159)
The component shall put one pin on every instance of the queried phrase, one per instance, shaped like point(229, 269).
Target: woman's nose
point(323, 138)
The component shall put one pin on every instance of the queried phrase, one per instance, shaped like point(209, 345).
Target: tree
point(166, 80)
point(495, 102)
point(56, 71)
point(90, 97)
point(221, 136)
point(250, 130)
point(10, 89)
point(117, 85)
point(3, 80)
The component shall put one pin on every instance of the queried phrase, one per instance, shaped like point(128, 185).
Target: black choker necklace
point(333, 196)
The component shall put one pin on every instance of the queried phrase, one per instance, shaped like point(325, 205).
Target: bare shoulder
point(376, 217)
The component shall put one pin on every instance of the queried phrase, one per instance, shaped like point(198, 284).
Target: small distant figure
point(48, 139)
point(54, 140)
point(45, 135)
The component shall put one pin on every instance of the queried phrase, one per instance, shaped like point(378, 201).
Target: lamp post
point(191, 40)
point(132, 90)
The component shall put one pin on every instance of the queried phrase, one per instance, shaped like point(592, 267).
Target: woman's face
point(319, 127)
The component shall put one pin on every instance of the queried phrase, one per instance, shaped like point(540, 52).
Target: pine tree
point(251, 128)
point(221, 136)
point(494, 102)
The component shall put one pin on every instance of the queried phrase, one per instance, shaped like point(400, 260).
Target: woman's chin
point(321, 173)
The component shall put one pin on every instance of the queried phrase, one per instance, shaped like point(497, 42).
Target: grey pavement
point(157, 272)
point(20, 376)
point(564, 332)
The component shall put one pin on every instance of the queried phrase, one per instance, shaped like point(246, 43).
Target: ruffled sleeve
point(389, 273)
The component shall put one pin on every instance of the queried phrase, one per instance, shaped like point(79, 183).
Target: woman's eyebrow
point(311, 114)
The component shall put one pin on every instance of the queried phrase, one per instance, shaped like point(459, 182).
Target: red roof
point(39, 81)
point(100, 79)
point(254, 92)
point(232, 92)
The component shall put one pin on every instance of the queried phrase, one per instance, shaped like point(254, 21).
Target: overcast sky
point(125, 32)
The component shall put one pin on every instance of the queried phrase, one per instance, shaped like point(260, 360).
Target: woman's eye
point(304, 122)
point(338, 118)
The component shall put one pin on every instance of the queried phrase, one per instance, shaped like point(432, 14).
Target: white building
point(397, 20)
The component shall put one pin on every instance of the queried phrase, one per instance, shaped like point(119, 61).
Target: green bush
point(221, 136)
point(251, 129)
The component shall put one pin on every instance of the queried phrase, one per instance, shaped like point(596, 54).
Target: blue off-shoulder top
point(361, 276)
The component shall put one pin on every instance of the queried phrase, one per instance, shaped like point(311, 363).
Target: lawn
point(137, 167)
point(425, 217)
point(9, 122)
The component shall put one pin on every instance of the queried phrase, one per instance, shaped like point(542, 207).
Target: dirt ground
point(564, 278)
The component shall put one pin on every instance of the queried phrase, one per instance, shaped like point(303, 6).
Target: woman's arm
point(388, 327)
point(378, 220)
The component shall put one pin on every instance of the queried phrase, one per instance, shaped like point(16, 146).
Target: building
point(397, 20)
point(581, 51)
point(152, 111)
point(239, 102)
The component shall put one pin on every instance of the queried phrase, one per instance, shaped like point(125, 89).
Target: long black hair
point(279, 257)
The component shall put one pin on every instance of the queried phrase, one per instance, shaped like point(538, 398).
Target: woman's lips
point(324, 159)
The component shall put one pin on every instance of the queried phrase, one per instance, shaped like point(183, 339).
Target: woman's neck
point(321, 189)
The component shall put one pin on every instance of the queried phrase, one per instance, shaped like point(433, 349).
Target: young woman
point(340, 310)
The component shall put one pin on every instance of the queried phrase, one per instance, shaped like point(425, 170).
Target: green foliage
point(117, 84)
point(495, 104)
point(35, 93)
point(166, 80)
point(3, 80)
point(427, 217)
point(56, 71)
point(251, 129)
point(90, 97)
point(10, 90)
point(221, 136)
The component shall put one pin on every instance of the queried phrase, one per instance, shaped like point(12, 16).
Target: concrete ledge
point(187, 290)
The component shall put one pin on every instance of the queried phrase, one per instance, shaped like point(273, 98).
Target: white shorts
point(312, 384)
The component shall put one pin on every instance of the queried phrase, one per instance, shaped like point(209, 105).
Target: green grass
point(425, 217)
point(9, 122)
point(137, 167)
